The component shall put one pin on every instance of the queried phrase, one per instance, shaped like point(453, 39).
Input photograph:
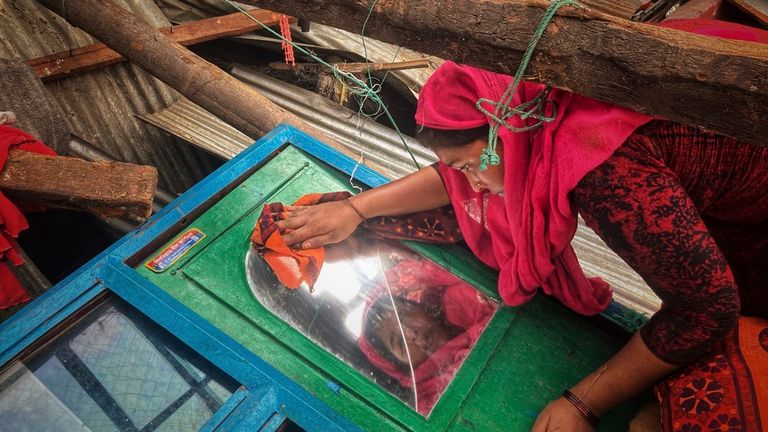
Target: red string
point(285, 30)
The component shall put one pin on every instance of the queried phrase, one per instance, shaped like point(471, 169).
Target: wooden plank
point(108, 189)
point(355, 67)
point(79, 60)
point(758, 9)
point(688, 78)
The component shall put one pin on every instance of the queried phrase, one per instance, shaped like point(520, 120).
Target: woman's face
point(423, 333)
point(467, 160)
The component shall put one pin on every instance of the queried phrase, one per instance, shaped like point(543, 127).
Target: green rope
point(534, 108)
point(355, 85)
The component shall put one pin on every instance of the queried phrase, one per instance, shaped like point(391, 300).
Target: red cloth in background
point(526, 233)
point(12, 221)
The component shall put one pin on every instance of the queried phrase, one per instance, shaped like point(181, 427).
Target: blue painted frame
point(266, 397)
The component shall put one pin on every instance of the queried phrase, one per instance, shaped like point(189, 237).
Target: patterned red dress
point(688, 210)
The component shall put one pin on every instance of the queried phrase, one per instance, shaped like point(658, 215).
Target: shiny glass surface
point(398, 318)
point(112, 370)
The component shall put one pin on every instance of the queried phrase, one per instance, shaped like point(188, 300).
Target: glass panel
point(398, 318)
point(111, 370)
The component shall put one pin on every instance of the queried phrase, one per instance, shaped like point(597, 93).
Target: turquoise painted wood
point(524, 359)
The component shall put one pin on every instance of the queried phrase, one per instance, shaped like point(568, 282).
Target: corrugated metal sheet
point(197, 126)
point(100, 106)
point(380, 145)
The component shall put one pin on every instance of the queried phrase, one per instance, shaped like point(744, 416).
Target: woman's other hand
point(318, 225)
point(561, 416)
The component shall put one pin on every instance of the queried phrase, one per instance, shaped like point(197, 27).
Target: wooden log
point(200, 81)
point(718, 84)
point(355, 67)
point(108, 189)
point(79, 60)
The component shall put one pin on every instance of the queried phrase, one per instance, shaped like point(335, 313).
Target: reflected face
point(467, 160)
point(423, 333)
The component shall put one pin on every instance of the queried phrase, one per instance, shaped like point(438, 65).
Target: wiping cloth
point(12, 221)
point(526, 232)
point(294, 266)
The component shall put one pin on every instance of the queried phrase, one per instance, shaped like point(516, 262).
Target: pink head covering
point(526, 233)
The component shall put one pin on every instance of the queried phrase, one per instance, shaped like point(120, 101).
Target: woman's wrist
point(354, 207)
point(581, 407)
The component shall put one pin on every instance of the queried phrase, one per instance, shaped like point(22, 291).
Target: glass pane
point(112, 370)
point(398, 318)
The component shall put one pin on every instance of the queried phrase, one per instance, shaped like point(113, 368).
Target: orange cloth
point(725, 390)
point(291, 266)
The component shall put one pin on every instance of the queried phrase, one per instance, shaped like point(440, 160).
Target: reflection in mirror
point(399, 319)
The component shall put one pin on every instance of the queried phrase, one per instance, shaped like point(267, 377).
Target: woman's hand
point(318, 225)
point(561, 416)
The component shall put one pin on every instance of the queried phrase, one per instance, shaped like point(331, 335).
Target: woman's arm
point(632, 370)
point(332, 222)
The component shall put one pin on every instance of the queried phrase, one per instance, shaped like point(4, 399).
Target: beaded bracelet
point(352, 206)
point(581, 407)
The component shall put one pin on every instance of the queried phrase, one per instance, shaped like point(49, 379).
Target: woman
point(666, 197)
point(423, 331)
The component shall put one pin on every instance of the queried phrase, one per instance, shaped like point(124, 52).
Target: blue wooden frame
point(266, 397)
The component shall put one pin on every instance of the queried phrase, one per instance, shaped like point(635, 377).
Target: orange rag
point(291, 266)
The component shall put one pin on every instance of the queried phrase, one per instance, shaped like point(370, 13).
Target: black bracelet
point(359, 213)
point(581, 407)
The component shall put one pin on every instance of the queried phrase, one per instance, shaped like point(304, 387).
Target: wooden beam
point(202, 82)
point(355, 67)
point(108, 189)
point(703, 81)
point(79, 60)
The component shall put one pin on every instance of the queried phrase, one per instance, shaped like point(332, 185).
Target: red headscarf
point(424, 282)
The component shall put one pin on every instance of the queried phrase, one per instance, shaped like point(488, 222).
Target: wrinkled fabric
point(12, 221)
point(292, 266)
point(526, 233)
point(424, 282)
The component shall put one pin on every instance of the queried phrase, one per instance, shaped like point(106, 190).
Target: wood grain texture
point(108, 189)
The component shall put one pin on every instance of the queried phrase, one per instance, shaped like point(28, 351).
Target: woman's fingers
point(541, 424)
point(299, 235)
point(292, 222)
point(318, 241)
